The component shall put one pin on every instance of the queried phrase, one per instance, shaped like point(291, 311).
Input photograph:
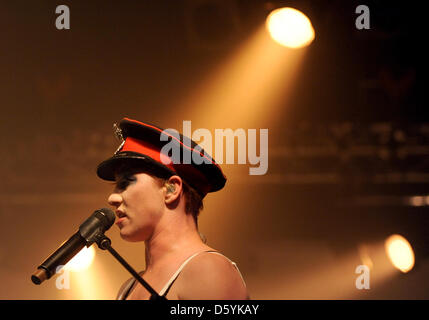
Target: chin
point(133, 237)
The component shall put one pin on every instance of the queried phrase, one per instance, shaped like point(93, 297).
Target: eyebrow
point(128, 172)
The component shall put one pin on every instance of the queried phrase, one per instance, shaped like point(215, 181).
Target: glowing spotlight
point(82, 260)
point(290, 28)
point(417, 201)
point(400, 252)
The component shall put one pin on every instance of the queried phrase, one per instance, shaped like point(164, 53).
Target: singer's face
point(139, 202)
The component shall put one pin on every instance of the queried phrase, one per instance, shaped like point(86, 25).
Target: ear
point(173, 188)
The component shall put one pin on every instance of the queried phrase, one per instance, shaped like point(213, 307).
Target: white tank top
point(126, 289)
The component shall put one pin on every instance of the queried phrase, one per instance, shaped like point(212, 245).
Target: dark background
point(61, 90)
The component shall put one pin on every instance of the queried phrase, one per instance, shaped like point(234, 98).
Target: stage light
point(82, 260)
point(290, 28)
point(417, 201)
point(400, 252)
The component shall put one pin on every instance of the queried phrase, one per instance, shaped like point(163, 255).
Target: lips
point(120, 220)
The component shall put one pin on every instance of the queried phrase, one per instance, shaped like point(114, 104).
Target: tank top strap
point(125, 290)
point(173, 278)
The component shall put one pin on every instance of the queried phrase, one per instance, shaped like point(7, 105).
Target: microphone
point(89, 231)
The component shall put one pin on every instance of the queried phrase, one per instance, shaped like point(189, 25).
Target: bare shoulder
point(211, 276)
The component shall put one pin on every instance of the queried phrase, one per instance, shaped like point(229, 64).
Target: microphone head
point(94, 227)
point(106, 216)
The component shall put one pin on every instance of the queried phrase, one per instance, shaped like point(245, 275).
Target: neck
point(176, 234)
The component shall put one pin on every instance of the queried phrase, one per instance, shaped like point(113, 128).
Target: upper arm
point(210, 277)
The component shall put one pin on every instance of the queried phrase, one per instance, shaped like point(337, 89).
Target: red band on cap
point(175, 138)
point(188, 172)
point(140, 146)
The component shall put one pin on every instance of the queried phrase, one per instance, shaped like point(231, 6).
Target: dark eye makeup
point(124, 181)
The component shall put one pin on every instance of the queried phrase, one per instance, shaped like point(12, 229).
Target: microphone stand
point(104, 243)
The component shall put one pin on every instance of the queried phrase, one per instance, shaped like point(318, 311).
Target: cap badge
point(118, 134)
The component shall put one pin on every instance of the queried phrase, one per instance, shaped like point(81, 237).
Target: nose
point(115, 200)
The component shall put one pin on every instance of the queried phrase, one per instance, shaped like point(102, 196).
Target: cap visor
point(110, 167)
